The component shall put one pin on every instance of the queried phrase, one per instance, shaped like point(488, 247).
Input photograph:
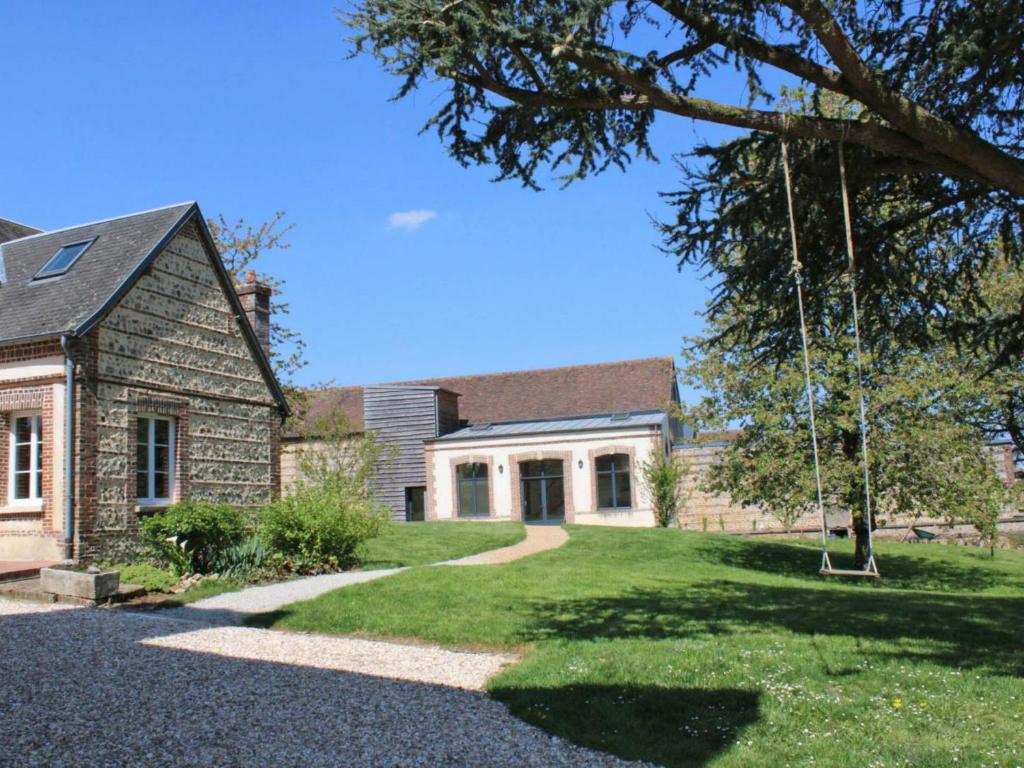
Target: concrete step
point(20, 571)
point(30, 590)
point(26, 589)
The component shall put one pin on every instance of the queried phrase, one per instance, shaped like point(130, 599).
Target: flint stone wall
point(173, 343)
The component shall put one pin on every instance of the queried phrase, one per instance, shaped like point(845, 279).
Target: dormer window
point(63, 259)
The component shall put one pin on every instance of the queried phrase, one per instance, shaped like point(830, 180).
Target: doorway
point(415, 503)
point(542, 484)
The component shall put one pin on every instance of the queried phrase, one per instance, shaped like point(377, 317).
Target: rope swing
point(826, 569)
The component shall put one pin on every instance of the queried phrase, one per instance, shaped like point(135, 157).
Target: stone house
point(133, 374)
point(556, 444)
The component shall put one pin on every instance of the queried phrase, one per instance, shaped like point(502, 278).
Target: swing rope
point(851, 275)
point(870, 567)
point(798, 281)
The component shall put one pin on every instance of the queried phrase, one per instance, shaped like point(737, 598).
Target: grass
point(422, 543)
point(400, 545)
point(205, 588)
point(152, 577)
point(690, 649)
point(160, 581)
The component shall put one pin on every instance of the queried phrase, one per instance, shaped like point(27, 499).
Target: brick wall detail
point(594, 454)
point(517, 492)
point(453, 467)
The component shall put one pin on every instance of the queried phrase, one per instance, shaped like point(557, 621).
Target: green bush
point(318, 528)
point(662, 476)
point(190, 534)
point(247, 560)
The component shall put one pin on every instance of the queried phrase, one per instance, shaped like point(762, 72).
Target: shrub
point(246, 560)
point(662, 476)
point(318, 528)
point(190, 534)
point(332, 509)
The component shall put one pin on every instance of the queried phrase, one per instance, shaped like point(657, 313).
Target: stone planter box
point(70, 583)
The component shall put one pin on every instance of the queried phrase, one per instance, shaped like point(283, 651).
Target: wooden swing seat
point(844, 572)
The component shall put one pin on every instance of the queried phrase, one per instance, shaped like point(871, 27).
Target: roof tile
point(544, 393)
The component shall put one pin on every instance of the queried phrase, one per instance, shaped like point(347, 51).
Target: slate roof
point(544, 393)
point(547, 426)
point(72, 303)
point(12, 230)
point(64, 304)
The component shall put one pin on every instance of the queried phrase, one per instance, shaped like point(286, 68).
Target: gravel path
point(232, 608)
point(539, 538)
point(90, 687)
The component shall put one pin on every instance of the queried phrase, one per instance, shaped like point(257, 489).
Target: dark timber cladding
point(402, 418)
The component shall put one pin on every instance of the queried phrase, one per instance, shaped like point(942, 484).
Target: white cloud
point(410, 220)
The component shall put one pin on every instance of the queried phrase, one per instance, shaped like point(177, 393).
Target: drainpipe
point(69, 450)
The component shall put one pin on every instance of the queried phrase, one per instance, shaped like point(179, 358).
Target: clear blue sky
point(251, 107)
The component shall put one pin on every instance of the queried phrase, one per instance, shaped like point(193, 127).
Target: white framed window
point(154, 460)
point(26, 479)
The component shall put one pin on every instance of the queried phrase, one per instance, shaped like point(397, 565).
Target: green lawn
point(423, 543)
point(701, 649)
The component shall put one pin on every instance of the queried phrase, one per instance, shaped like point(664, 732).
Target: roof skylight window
point(63, 259)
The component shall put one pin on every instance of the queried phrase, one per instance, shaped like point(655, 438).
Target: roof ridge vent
point(621, 416)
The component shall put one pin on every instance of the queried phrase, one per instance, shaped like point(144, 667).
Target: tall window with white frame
point(613, 482)
point(26, 459)
point(154, 460)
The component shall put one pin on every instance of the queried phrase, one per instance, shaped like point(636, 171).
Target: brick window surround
point(517, 492)
point(177, 409)
point(24, 401)
point(454, 465)
point(597, 453)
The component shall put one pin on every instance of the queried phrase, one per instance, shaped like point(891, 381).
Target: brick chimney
point(255, 298)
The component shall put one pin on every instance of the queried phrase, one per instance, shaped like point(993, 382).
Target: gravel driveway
point(89, 687)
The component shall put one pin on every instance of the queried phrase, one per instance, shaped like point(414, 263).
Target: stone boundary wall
point(714, 512)
point(717, 512)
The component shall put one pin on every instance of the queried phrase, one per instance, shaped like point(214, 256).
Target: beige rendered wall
point(503, 455)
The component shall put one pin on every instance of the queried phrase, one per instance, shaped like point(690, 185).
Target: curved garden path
point(232, 608)
point(539, 538)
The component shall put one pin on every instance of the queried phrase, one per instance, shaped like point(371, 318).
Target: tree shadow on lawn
point(899, 571)
point(666, 726)
point(957, 630)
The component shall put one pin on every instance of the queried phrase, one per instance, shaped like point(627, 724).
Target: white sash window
point(26, 458)
point(154, 460)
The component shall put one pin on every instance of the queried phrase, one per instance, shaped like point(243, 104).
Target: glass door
point(543, 490)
